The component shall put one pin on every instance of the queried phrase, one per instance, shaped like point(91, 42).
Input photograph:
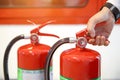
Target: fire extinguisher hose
point(6, 55)
point(51, 52)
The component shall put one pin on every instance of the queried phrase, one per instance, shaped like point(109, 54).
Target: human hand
point(100, 27)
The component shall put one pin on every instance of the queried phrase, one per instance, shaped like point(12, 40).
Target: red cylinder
point(80, 64)
point(31, 61)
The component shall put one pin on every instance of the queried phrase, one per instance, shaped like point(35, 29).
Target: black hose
point(6, 55)
point(50, 54)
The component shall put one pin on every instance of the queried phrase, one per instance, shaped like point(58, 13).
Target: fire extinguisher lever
point(37, 30)
point(83, 37)
point(83, 33)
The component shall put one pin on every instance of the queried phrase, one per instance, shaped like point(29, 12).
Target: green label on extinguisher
point(32, 74)
point(19, 74)
point(63, 78)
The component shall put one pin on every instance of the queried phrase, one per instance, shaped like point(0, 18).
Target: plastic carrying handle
point(37, 30)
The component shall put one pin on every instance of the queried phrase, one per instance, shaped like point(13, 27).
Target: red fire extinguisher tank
point(31, 61)
point(77, 63)
point(32, 57)
point(80, 64)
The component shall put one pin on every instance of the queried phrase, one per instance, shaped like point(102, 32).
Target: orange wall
point(61, 15)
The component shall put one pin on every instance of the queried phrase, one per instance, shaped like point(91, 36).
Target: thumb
point(98, 18)
point(90, 28)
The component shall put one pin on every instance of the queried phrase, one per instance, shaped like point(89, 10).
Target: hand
point(100, 27)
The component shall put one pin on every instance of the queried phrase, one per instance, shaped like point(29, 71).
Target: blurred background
point(70, 17)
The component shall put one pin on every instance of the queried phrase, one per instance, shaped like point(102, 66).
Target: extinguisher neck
point(34, 39)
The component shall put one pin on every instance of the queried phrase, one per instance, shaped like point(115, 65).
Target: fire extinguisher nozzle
point(72, 40)
point(27, 36)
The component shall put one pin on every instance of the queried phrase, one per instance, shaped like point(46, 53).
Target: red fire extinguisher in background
point(31, 57)
point(77, 63)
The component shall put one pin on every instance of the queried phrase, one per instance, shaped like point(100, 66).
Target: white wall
point(110, 55)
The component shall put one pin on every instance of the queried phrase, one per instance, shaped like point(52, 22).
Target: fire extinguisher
point(31, 57)
point(79, 63)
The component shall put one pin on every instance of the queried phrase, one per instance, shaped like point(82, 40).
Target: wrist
point(115, 2)
point(114, 10)
point(108, 13)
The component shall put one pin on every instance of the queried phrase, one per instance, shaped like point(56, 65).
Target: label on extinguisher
point(32, 74)
point(97, 78)
point(63, 78)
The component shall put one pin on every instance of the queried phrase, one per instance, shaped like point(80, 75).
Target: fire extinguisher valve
point(82, 42)
point(34, 38)
point(82, 38)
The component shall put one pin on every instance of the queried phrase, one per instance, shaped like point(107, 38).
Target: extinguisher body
point(31, 61)
point(80, 64)
point(31, 57)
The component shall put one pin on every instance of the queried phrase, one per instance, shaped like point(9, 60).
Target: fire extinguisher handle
point(37, 30)
point(84, 33)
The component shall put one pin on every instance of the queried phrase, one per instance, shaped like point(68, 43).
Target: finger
point(91, 41)
point(90, 27)
point(98, 18)
point(106, 43)
point(102, 40)
point(97, 42)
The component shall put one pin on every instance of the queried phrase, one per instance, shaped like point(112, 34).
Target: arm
point(101, 24)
